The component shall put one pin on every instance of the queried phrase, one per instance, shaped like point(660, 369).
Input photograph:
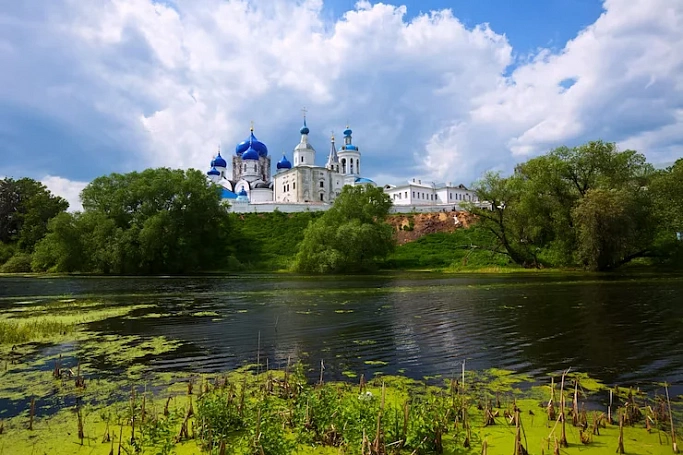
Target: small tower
point(349, 155)
point(284, 164)
point(241, 148)
point(332, 158)
point(214, 175)
point(304, 153)
point(251, 165)
point(218, 164)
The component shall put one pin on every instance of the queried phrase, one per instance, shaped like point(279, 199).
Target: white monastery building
point(301, 185)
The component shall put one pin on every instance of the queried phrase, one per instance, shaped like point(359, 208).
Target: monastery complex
point(299, 185)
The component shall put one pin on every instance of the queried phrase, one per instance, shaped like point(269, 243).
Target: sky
point(436, 89)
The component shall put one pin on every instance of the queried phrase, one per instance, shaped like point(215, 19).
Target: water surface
point(620, 329)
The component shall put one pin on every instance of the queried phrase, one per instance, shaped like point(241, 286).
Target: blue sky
point(528, 24)
point(430, 89)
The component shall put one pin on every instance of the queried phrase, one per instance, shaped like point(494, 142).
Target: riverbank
point(278, 412)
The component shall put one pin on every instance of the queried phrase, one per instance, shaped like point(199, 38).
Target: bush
point(19, 263)
point(6, 252)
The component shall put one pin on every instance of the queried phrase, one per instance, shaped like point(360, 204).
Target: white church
point(300, 185)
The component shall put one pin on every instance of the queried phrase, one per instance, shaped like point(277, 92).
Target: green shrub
point(6, 252)
point(19, 263)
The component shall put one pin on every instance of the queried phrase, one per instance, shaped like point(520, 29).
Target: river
point(619, 329)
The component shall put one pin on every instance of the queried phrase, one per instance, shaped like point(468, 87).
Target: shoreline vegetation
point(258, 410)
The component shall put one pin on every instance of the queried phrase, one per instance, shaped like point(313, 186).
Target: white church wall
point(282, 207)
point(261, 195)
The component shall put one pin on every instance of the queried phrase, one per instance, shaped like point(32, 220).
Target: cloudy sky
point(441, 89)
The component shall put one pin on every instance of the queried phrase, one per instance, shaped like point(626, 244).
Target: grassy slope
point(447, 251)
point(269, 242)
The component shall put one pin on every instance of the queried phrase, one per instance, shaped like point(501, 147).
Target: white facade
point(418, 193)
point(296, 182)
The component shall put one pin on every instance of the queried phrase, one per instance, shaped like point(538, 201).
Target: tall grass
point(34, 329)
point(16, 328)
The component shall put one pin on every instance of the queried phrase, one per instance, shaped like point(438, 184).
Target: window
point(255, 168)
point(294, 185)
point(245, 168)
point(450, 195)
point(344, 166)
point(322, 197)
point(406, 195)
point(351, 166)
point(322, 184)
point(302, 159)
point(358, 167)
point(413, 193)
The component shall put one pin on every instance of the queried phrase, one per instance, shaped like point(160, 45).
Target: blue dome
point(227, 194)
point(257, 145)
point(364, 180)
point(304, 129)
point(250, 154)
point(213, 171)
point(242, 192)
point(349, 147)
point(284, 163)
point(347, 132)
point(219, 161)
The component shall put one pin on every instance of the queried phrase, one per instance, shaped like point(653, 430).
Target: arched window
point(322, 197)
point(344, 165)
point(302, 159)
point(245, 167)
point(322, 184)
point(358, 165)
point(351, 166)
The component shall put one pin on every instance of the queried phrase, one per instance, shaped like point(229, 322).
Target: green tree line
point(155, 221)
point(590, 206)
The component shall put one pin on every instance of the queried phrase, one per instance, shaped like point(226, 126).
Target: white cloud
point(68, 189)
point(427, 96)
point(628, 88)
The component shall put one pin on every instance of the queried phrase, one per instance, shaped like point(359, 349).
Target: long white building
point(418, 193)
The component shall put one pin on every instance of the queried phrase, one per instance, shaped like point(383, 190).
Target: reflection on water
point(619, 329)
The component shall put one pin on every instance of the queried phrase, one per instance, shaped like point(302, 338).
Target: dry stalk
point(81, 435)
point(563, 437)
point(120, 438)
point(168, 400)
point(620, 447)
point(106, 437)
point(32, 412)
point(671, 420)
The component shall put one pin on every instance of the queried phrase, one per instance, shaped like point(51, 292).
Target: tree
point(350, 237)
point(613, 227)
point(26, 207)
point(155, 221)
point(507, 217)
point(532, 213)
point(666, 189)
